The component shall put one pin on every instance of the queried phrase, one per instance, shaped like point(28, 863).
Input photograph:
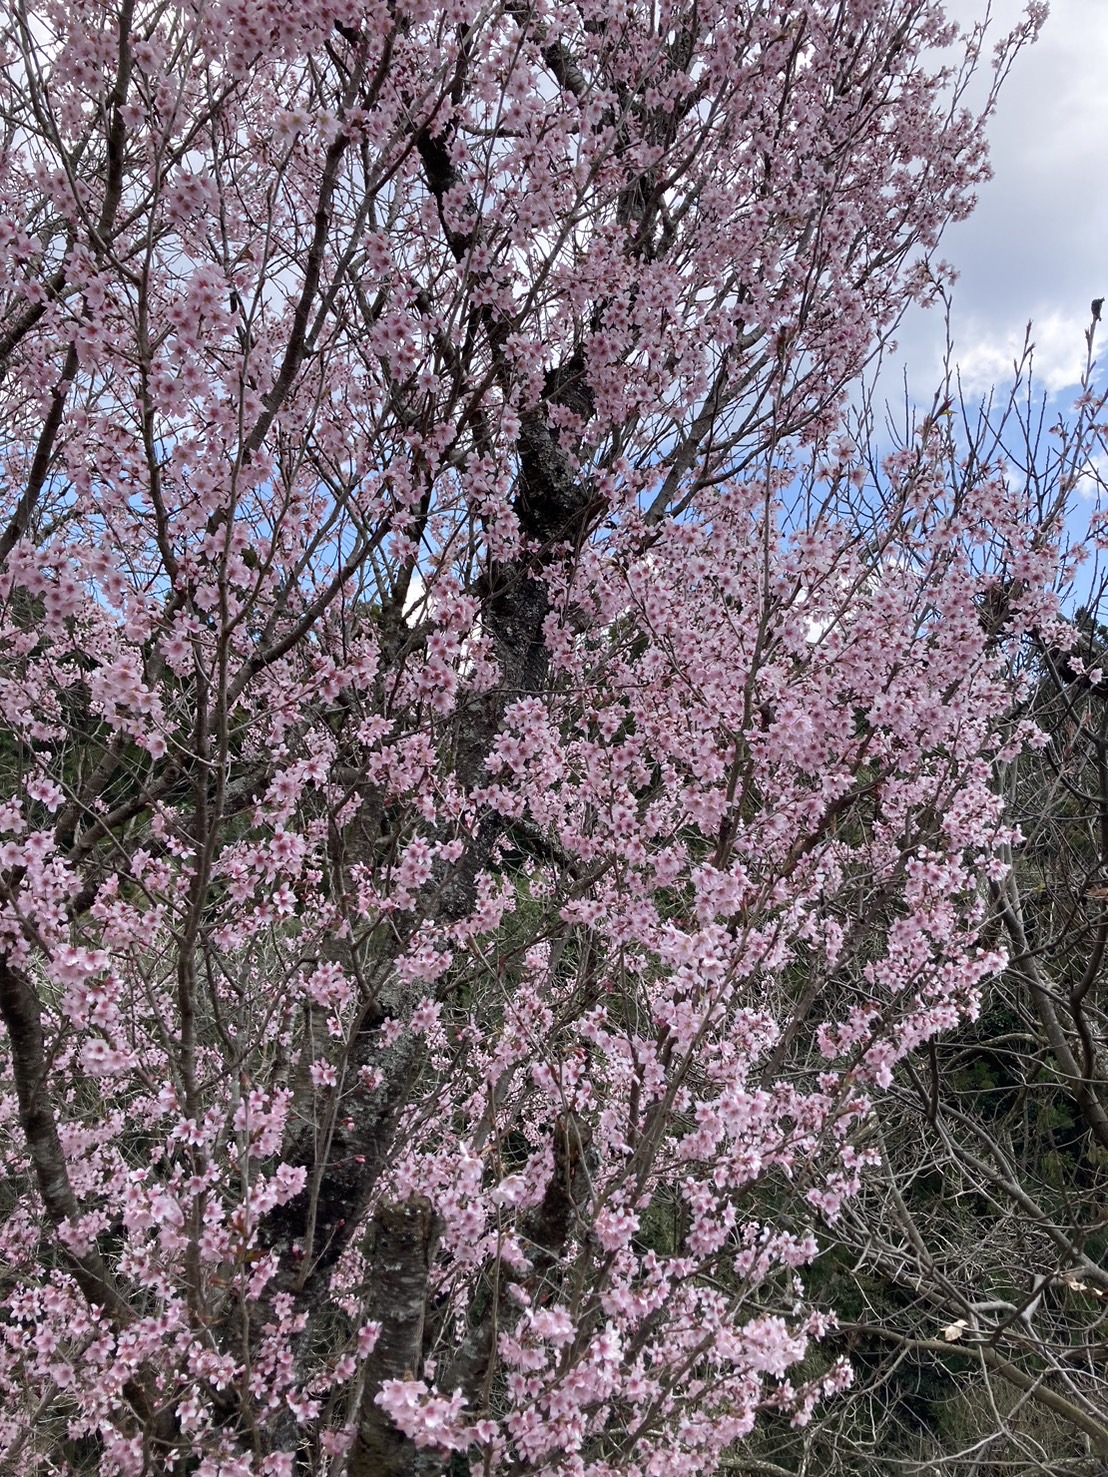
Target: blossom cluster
point(475, 841)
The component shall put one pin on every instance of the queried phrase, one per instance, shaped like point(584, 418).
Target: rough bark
point(401, 1246)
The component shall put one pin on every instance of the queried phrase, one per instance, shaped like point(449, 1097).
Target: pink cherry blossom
point(496, 775)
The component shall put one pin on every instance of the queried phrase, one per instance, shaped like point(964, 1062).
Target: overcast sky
point(1037, 245)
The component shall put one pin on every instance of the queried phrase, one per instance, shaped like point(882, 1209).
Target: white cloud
point(1037, 245)
point(1093, 479)
point(986, 354)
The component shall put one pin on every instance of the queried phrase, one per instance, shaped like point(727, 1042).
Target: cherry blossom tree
point(968, 1273)
point(492, 783)
point(977, 1298)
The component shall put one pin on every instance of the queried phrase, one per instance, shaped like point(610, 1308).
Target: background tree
point(492, 786)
